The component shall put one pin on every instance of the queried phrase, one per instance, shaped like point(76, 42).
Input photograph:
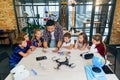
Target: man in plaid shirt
point(53, 35)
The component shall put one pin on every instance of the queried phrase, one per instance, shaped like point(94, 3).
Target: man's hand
point(55, 50)
point(44, 50)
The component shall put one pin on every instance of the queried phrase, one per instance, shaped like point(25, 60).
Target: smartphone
point(41, 58)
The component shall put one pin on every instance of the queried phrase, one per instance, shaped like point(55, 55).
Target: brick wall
point(7, 17)
point(115, 36)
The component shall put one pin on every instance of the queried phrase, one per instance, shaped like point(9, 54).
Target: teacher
point(53, 35)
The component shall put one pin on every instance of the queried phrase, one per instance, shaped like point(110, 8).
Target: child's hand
point(33, 48)
point(39, 43)
point(89, 47)
point(76, 44)
point(29, 51)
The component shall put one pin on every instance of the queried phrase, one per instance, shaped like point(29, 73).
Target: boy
point(68, 42)
point(20, 51)
point(26, 37)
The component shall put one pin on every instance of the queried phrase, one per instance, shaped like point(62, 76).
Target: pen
point(34, 72)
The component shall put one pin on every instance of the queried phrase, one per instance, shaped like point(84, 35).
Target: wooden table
point(88, 22)
point(45, 69)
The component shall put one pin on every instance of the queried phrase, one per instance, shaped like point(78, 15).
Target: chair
point(2, 39)
point(112, 50)
point(7, 35)
point(3, 56)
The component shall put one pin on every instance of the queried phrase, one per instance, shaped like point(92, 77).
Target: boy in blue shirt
point(20, 51)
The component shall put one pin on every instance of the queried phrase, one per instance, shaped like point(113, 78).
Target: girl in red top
point(98, 45)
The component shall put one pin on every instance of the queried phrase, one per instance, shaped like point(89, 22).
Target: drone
point(66, 62)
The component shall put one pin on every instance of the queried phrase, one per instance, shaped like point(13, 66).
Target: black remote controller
point(41, 58)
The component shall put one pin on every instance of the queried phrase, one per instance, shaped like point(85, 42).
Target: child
point(98, 45)
point(26, 37)
point(21, 50)
point(68, 42)
point(82, 41)
point(37, 39)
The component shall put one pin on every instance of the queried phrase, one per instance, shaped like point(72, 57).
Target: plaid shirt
point(58, 34)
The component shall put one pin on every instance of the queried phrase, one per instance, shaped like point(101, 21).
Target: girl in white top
point(82, 41)
point(68, 42)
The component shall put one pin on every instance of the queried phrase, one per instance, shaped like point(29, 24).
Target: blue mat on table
point(91, 75)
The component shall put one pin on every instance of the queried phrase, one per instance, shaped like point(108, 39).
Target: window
point(90, 17)
point(34, 11)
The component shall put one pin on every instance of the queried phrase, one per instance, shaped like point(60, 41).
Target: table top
point(46, 68)
point(88, 22)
